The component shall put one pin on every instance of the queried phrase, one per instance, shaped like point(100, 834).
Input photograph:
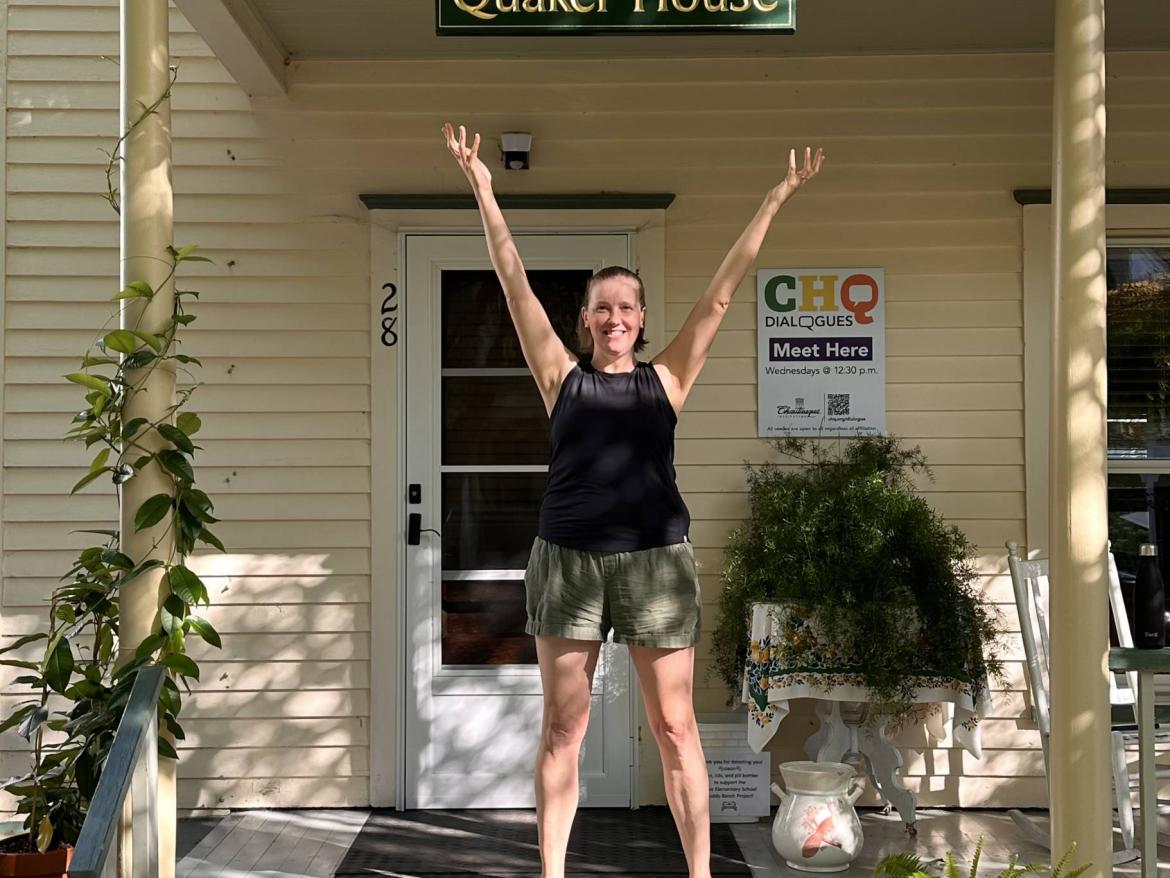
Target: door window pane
point(493, 419)
point(490, 519)
point(483, 624)
point(477, 329)
point(1139, 352)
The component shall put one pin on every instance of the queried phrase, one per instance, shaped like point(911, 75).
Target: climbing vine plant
point(78, 683)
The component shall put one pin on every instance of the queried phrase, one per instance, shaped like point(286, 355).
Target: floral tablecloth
point(787, 659)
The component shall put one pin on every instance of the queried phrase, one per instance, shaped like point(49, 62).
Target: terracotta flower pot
point(51, 864)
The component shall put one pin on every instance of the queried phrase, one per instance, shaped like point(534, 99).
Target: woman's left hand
point(795, 179)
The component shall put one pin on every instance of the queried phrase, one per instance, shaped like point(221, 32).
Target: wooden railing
point(119, 838)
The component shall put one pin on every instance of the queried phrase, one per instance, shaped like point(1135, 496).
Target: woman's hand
point(468, 158)
point(795, 179)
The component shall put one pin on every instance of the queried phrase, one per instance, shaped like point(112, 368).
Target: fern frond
point(1058, 869)
point(901, 865)
point(951, 869)
point(974, 873)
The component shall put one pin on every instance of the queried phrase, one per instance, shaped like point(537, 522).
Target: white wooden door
point(476, 438)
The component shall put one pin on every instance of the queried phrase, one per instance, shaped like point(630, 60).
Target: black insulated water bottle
point(1149, 626)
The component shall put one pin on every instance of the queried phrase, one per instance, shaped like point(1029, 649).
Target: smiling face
point(614, 316)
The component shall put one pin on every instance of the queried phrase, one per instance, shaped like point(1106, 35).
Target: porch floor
point(285, 844)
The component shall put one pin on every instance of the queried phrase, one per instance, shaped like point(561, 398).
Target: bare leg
point(566, 674)
point(666, 676)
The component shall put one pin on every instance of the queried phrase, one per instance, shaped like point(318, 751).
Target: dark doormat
point(605, 841)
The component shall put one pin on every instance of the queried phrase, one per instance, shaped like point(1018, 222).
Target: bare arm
point(680, 362)
point(546, 355)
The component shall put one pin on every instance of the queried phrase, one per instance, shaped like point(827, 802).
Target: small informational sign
point(519, 17)
point(821, 354)
point(740, 784)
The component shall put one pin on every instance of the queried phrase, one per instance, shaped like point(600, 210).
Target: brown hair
point(584, 339)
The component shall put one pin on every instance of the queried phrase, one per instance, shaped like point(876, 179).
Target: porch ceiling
point(387, 29)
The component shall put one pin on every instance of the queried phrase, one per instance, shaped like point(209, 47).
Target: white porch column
point(1079, 774)
point(146, 231)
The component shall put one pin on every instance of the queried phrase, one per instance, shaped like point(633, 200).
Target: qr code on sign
point(837, 403)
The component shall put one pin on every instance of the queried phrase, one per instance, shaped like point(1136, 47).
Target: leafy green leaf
point(29, 725)
point(65, 613)
point(131, 428)
point(205, 630)
point(120, 340)
point(176, 437)
point(152, 511)
point(44, 834)
point(183, 358)
point(149, 337)
point(148, 564)
point(59, 665)
point(186, 585)
point(25, 641)
point(94, 382)
point(183, 319)
point(17, 716)
point(176, 464)
point(89, 360)
point(189, 423)
point(117, 559)
point(211, 539)
point(148, 646)
point(140, 359)
point(172, 613)
point(182, 665)
point(19, 663)
point(200, 504)
point(99, 462)
point(166, 749)
point(176, 605)
point(105, 645)
point(175, 729)
point(86, 773)
point(136, 289)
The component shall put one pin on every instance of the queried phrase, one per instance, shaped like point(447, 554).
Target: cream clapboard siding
point(281, 716)
point(923, 153)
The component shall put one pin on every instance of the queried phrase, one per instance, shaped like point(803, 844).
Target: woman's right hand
point(467, 157)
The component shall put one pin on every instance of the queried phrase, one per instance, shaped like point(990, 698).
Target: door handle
point(413, 529)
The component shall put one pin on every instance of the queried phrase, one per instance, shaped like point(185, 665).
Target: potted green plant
point(77, 684)
point(855, 555)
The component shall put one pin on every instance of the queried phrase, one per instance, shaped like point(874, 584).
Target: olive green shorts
point(648, 598)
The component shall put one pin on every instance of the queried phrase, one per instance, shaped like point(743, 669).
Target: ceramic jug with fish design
point(816, 828)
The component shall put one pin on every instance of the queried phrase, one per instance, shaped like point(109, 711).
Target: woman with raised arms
point(612, 551)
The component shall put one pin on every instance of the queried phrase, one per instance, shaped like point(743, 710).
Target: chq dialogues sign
point(821, 366)
point(498, 17)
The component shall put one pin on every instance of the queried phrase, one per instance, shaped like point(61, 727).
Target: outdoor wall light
point(515, 146)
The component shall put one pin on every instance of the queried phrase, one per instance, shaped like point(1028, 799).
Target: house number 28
point(390, 316)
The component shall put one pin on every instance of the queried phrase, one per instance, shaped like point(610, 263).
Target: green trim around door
point(566, 201)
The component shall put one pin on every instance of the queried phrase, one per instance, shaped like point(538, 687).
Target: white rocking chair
point(1030, 584)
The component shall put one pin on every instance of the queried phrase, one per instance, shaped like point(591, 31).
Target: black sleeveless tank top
point(611, 481)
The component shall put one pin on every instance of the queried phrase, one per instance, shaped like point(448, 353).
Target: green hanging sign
point(574, 17)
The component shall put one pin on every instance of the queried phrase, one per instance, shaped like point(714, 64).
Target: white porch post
point(146, 231)
point(1079, 774)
